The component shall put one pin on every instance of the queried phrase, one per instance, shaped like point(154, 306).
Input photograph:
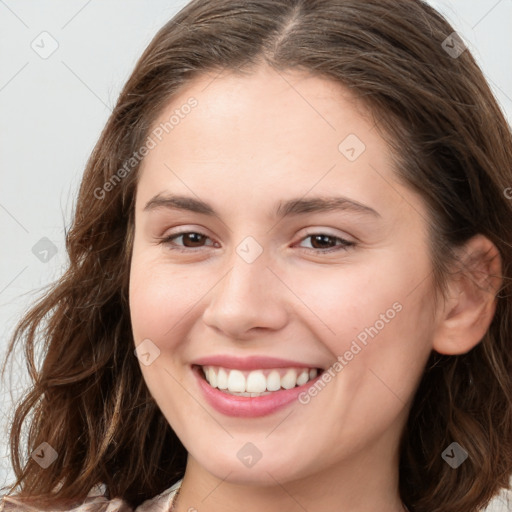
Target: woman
point(199, 356)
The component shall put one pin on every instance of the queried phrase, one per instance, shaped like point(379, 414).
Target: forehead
point(265, 134)
point(262, 105)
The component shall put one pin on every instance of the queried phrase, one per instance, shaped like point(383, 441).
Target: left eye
point(330, 240)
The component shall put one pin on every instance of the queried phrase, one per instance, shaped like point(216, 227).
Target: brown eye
point(324, 242)
point(190, 240)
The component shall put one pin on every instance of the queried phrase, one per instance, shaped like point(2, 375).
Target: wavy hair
point(452, 144)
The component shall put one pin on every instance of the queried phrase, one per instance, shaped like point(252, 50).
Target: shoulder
point(96, 501)
point(161, 502)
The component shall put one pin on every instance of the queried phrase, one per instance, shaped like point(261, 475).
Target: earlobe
point(467, 312)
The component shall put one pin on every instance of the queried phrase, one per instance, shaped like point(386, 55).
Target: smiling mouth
point(259, 382)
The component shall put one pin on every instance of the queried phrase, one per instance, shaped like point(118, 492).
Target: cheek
point(377, 317)
point(160, 301)
point(159, 298)
point(343, 300)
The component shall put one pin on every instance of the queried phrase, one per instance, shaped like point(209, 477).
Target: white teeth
point(274, 381)
point(212, 377)
point(289, 380)
point(303, 378)
point(222, 378)
point(236, 381)
point(257, 382)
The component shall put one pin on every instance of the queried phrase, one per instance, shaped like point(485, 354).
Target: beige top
point(96, 501)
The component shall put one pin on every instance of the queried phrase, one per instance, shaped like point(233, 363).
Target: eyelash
point(345, 244)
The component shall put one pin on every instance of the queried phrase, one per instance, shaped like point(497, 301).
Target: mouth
point(258, 382)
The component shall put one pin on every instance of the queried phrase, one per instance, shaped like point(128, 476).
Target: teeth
point(257, 382)
point(236, 381)
point(303, 378)
point(222, 378)
point(212, 377)
point(273, 381)
point(289, 380)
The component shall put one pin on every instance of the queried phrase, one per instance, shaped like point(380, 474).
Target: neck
point(366, 481)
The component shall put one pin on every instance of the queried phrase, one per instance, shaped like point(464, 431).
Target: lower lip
point(247, 406)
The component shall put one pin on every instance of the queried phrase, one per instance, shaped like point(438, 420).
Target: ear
point(466, 314)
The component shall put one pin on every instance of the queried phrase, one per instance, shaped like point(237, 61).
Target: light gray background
point(52, 111)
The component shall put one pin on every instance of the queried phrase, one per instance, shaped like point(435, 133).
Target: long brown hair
point(452, 144)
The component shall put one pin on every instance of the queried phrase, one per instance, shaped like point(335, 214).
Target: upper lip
point(249, 363)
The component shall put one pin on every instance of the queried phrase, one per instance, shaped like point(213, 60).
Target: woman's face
point(301, 246)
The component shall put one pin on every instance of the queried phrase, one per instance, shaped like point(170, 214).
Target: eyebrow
point(283, 209)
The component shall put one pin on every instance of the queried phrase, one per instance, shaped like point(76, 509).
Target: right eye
point(194, 238)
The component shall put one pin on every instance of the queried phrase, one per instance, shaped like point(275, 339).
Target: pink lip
point(249, 363)
point(246, 406)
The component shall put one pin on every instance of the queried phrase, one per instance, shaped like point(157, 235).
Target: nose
point(248, 299)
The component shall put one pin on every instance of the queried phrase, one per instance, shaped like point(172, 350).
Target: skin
point(253, 141)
